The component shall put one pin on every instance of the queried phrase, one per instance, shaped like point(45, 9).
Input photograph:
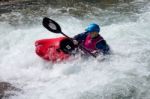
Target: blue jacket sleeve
point(103, 46)
point(81, 36)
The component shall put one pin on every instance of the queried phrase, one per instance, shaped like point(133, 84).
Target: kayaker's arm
point(80, 36)
point(103, 47)
point(77, 39)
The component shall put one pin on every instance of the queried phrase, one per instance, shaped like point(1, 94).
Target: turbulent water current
point(125, 74)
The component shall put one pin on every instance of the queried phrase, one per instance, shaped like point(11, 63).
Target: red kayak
point(54, 49)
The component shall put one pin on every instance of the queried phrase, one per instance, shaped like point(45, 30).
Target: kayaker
point(92, 40)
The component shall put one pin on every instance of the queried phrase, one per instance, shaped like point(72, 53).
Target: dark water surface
point(29, 11)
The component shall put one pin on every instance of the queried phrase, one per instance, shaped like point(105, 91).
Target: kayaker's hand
point(75, 42)
point(96, 52)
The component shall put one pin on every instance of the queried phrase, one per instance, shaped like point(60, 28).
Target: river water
point(123, 75)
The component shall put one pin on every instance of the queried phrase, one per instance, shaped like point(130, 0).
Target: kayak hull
point(48, 49)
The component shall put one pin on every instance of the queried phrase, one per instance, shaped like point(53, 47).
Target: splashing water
point(123, 75)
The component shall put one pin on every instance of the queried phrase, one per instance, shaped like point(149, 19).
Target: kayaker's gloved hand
point(75, 42)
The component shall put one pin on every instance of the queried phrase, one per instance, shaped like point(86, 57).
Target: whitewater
point(125, 74)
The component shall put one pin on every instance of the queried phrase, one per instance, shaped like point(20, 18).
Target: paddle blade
point(51, 25)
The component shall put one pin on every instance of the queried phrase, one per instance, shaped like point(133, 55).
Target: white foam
point(124, 74)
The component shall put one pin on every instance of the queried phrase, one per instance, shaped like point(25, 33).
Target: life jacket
point(90, 44)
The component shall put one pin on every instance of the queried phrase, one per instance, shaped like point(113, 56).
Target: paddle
point(54, 27)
